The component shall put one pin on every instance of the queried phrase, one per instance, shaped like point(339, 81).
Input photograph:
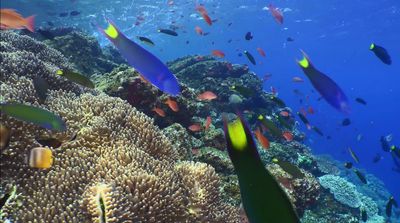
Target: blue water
point(335, 34)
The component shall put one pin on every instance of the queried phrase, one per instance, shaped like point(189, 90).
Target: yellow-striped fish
point(41, 158)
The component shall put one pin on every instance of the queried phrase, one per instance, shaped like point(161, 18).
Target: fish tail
point(111, 32)
point(30, 23)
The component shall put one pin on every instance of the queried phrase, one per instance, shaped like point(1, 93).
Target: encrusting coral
point(118, 168)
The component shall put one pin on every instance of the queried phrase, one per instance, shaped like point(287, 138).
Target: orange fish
point(261, 138)
point(195, 127)
point(203, 12)
point(261, 52)
point(207, 95)
point(208, 123)
point(284, 113)
point(276, 14)
point(10, 19)
point(311, 110)
point(303, 112)
point(218, 53)
point(172, 104)
point(288, 136)
point(297, 79)
point(159, 111)
point(267, 76)
point(198, 30)
point(274, 91)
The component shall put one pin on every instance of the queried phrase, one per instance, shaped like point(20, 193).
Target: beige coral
point(119, 168)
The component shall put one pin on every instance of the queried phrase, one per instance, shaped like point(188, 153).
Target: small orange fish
point(274, 91)
point(218, 53)
point(303, 112)
point(261, 51)
point(267, 76)
point(208, 123)
point(276, 14)
point(288, 136)
point(284, 113)
point(195, 127)
point(261, 138)
point(198, 30)
point(203, 12)
point(297, 79)
point(10, 19)
point(172, 104)
point(143, 79)
point(207, 95)
point(311, 110)
point(159, 111)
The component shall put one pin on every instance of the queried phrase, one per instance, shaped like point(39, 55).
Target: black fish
point(303, 119)
point(146, 40)
point(250, 57)
point(168, 32)
point(290, 168)
point(385, 144)
point(361, 101)
point(377, 158)
point(74, 13)
point(395, 150)
point(389, 206)
point(381, 53)
point(346, 122)
point(50, 23)
point(49, 142)
point(46, 33)
point(360, 176)
point(63, 14)
point(317, 130)
point(348, 165)
point(240, 54)
point(290, 39)
point(41, 86)
point(364, 216)
point(248, 36)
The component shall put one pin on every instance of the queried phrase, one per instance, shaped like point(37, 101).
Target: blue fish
point(328, 89)
point(148, 65)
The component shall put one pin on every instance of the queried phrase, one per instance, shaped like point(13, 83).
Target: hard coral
point(119, 168)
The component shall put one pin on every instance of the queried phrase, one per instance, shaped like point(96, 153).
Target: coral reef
point(84, 52)
point(347, 193)
point(120, 167)
point(128, 163)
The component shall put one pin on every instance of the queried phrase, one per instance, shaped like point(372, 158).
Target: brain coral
point(119, 168)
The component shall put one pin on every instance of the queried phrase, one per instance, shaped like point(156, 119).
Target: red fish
point(198, 30)
point(173, 105)
point(207, 95)
point(208, 123)
point(218, 53)
point(284, 113)
point(311, 110)
point(274, 91)
point(288, 136)
point(297, 79)
point(159, 111)
point(195, 127)
point(267, 76)
point(276, 13)
point(261, 138)
point(261, 51)
point(203, 12)
point(10, 19)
